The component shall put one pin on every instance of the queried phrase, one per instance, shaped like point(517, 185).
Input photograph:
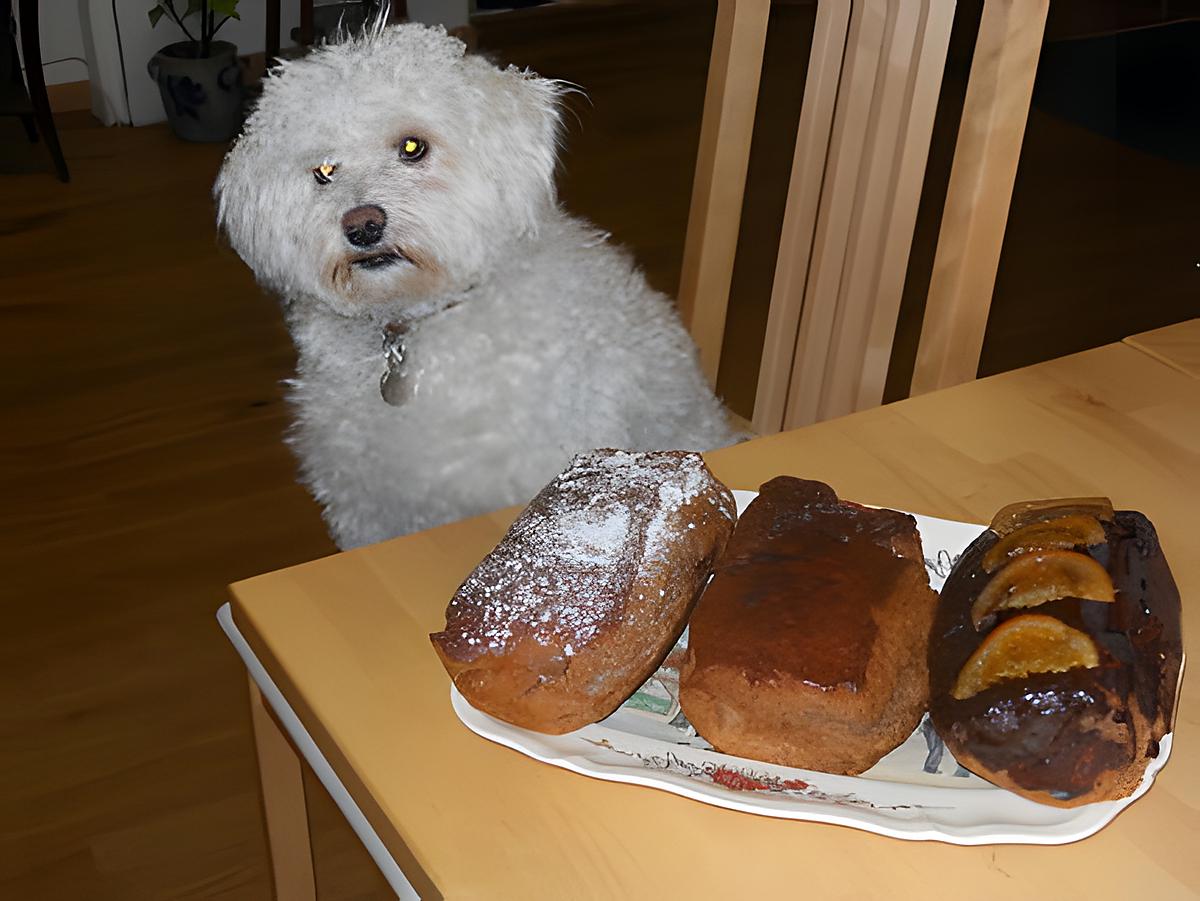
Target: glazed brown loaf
point(1086, 734)
point(808, 647)
point(588, 591)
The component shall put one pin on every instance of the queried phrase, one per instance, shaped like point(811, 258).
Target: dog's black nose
point(363, 225)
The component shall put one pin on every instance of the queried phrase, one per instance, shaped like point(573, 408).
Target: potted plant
point(200, 80)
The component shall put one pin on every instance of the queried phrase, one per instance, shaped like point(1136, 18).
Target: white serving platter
point(917, 792)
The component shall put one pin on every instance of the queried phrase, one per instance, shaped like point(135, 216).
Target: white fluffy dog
point(459, 335)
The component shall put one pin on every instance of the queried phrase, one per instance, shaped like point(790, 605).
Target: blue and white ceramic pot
point(202, 95)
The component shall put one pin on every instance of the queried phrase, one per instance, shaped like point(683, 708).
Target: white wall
point(86, 29)
point(450, 13)
point(62, 36)
point(140, 42)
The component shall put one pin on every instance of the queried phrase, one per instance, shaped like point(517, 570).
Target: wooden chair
point(981, 184)
point(32, 103)
point(397, 11)
point(871, 93)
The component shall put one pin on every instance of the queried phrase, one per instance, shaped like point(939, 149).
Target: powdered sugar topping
point(568, 562)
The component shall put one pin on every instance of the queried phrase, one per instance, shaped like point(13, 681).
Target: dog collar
point(396, 386)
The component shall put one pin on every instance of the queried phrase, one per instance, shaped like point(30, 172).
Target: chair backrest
point(873, 82)
point(730, 101)
point(9, 67)
point(977, 199)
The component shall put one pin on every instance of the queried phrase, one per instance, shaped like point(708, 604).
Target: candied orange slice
point(1040, 578)
point(1062, 532)
point(1017, 516)
point(1029, 643)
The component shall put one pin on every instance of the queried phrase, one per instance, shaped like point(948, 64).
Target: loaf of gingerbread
point(808, 648)
point(1055, 655)
point(589, 590)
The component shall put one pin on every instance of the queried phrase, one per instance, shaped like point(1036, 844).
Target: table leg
point(285, 810)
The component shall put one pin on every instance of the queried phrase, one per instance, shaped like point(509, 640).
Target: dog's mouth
point(381, 260)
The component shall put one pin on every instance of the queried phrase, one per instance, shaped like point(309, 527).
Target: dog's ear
point(536, 130)
point(240, 194)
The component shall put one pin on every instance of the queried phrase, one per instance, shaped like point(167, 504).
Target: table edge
point(307, 747)
point(1133, 342)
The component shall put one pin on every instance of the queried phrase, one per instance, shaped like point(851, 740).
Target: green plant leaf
point(156, 13)
point(224, 7)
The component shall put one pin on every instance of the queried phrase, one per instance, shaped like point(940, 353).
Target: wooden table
point(344, 639)
point(1178, 346)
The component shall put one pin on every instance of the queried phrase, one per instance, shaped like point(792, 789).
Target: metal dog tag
point(395, 385)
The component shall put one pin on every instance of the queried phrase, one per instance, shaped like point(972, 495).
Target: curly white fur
point(540, 339)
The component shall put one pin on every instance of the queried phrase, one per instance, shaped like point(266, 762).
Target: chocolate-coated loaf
point(588, 591)
point(808, 647)
point(1087, 731)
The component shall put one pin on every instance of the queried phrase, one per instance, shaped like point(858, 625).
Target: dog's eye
point(412, 149)
point(324, 172)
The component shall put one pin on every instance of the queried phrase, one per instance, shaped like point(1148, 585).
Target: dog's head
point(387, 169)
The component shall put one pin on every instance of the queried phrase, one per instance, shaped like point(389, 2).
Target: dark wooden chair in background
point(397, 12)
point(26, 97)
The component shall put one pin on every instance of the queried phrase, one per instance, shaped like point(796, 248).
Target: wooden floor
point(142, 470)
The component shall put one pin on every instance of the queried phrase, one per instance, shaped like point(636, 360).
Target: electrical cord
point(61, 59)
point(12, 25)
